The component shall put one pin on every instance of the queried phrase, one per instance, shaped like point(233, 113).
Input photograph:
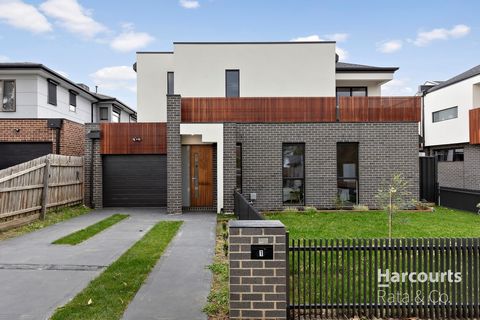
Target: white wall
point(26, 96)
point(454, 130)
point(152, 71)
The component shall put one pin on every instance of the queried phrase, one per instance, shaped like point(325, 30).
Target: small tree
point(392, 196)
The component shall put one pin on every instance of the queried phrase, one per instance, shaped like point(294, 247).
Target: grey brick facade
point(174, 155)
point(229, 165)
point(257, 287)
point(97, 183)
point(384, 149)
point(460, 174)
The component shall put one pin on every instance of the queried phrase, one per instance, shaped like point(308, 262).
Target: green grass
point(442, 222)
point(84, 234)
point(52, 217)
point(107, 296)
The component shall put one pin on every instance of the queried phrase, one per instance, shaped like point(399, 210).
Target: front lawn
point(442, 222)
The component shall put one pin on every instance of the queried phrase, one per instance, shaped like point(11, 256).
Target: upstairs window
point(449, 155)
point(8, 95)
point(116, 114)
point(52, 92)
point(445, 114)
point(293, 172)
point(73, 100)
point(103, 113)
point(170, 83)
point(133, 118)
point(232, 83)
point(351, 92)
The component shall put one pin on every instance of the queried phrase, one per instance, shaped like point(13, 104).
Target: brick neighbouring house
point(287, 124)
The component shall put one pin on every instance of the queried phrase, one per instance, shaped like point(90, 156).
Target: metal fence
point(381, 278)
point(244, 210)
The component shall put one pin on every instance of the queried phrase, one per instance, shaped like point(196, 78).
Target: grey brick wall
point(384, 149)
point(257, 287)
point(97, 182)
point(460, 174)
point(229, 165)
point(174, 155)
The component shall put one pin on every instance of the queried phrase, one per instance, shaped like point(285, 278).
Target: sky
point(94, 42)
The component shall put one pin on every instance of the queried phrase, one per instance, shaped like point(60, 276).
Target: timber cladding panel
point(474, 116)
point(133, 138)
point(301, 109)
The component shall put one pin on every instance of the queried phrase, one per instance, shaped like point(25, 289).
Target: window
point(116, 114)
point(449, 155)
point(73, 100)
point(347, 173)
point(239, 167)
point(52, 92)
point(351, 92)
point(103, 113)
point(170, 83)
point(133, 118)
point(8, 95)
point(445, 114)
point(232, 83)
point(293, 173)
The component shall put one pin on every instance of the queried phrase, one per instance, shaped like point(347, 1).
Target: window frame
point(454, 150)
point(52, 100)
point(237, 174)
point(72, 106)
point(2, 81)
point(132, 117)
point(442, 110)
point(302, 203)
point(100, 113)
point(357, 168)
point(117, 110)
point(226, 83)
point(172, 91)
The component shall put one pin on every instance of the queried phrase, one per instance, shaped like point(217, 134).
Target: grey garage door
point(12, 153)
point(135, 181)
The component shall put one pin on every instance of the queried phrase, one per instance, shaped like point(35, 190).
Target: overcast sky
point(94, 42)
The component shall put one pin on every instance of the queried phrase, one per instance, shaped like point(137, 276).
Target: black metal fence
point(244, 210)
point(381, 278)
point(428, 179)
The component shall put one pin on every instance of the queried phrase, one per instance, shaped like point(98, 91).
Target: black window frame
point(170, 86)
point(351, 91)
point(117, 110)
point(100, 115)
point(3, 82)
point(132, 118)
point(443, 110)
point(303, 198)
point(239, 167)
point(72, 99)
point(442, 154)
point(357, 169)
point(226, 83)
point(52, 92)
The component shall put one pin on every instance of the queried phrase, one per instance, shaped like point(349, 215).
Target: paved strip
point(64, 267)
point(178, 286)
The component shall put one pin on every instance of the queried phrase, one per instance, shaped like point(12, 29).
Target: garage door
point(12, 153)
point(135, 181)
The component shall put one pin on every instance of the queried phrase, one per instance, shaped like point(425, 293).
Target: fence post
point(258, 269)
point(46, 174)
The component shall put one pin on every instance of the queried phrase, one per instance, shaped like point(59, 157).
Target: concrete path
point(179, 285)
point(36, 277)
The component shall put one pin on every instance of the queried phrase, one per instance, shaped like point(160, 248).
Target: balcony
point(474, 116)
point(301, 109)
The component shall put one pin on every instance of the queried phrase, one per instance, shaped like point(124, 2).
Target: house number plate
point(262, 252)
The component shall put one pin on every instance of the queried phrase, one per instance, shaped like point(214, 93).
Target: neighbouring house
point(284, 123)
point(451, 133)
point(44, 112)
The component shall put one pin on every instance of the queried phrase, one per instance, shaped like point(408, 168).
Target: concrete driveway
point(36, 277)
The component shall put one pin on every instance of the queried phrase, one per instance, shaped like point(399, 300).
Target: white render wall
point(266, 70)
point(451, 131)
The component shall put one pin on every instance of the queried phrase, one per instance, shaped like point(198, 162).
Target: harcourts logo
point(388, 296)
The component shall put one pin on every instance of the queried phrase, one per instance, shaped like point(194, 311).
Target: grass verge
point(218, 300)
point(108, 295)
point(52, 217)
point(442, 222)
point(84, 234)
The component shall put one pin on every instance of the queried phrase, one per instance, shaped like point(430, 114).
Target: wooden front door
point(201, 176)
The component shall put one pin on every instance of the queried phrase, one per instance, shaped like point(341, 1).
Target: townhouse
point(285, 123)
point(44, 112)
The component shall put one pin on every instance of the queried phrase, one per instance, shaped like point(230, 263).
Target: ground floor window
point(449, 155)
point(293, 173)
point(239, 167)
point(347, 173)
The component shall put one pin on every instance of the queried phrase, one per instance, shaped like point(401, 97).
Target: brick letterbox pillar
point(258, 269)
